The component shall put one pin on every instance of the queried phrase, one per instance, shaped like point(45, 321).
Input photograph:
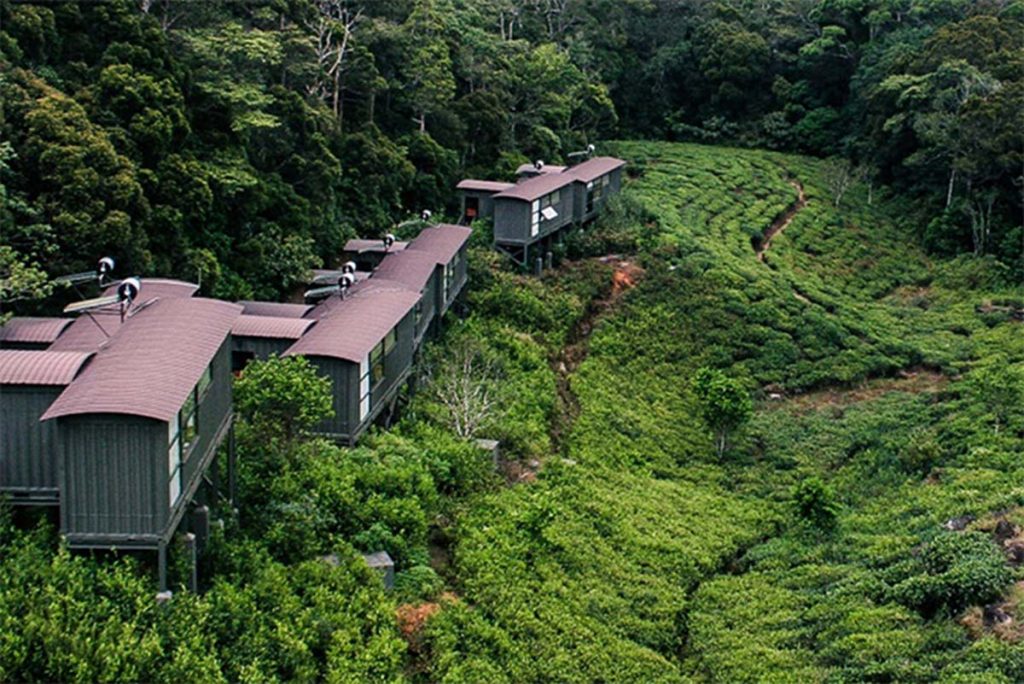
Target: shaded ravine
point(781, 223)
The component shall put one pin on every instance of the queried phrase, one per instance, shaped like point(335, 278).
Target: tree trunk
point(423, 122)
point(336, 97)
point(949, 189)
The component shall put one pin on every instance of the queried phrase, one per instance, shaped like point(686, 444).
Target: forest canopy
point(240, 143)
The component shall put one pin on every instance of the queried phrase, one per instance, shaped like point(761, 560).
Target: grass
point(644, 546)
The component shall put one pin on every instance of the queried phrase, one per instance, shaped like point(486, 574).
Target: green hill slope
point(642, 557)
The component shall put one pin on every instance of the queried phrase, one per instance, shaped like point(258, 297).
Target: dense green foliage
point(240, 143)
point(860, 526)
point(828, 513)
point(73, 619)
point(283, 397)
point(815, 550)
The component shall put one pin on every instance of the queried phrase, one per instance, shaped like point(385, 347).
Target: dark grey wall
point(111, 487)
point(428, 305)
point(511, 221)
point(458, 281)
point(512, 218)
point(28, 448)
point(614, 186)
point(484, 199)
point(114, 474)
point(345, 375)
point(214, 409)
point(260, 347)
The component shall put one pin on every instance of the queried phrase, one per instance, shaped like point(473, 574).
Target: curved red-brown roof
point(442, 242)
point(361, 245)
point(153, 288)
point(538, 186)
point(353, 326)
point(94, 329)
point(331, 276)
point(278, 309)
point(483, 185)
point(412, 268)
point(546, 168)
point(595, 168)
point(270, 326)
point(26, 329)
point(153, 361)
point(90, 331)
point(32, 367)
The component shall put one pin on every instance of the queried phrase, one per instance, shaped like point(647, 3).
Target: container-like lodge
point(117, 416)
point(532, 214)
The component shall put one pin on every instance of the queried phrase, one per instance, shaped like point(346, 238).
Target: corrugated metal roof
point(270, 326)
point(358, 246)
point(412, 268)
point(442, 241)
point(38, 330)
point(353, 326)
point(91, 331)
point(31, 367)
point(537, 187)
point(278, 309)
point(159, 287)
point(595, 167)
point(153, 362)
point(330, 276)
point(547, 168)
point(483, 185)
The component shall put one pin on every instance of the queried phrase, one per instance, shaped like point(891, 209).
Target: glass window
point(173, 460)
point(205, 381)
point(364, 388)
point(377, 364)
point(188, 432)
point(185, 425)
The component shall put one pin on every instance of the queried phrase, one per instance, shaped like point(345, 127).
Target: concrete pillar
point(538, 266)
point(550, 258)
point(201, 524)
point(161, 562)
point(193, 562)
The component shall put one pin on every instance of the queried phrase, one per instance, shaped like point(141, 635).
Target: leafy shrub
point(419, 582)
point(815, 502)
point(954, 571)
point(724, 403)
point(283, 397)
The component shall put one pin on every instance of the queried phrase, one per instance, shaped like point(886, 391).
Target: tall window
point(449, 278)
point(373, 371)
point(174, 460)
point(182, 431)
point(544, 210)
point(596, 190)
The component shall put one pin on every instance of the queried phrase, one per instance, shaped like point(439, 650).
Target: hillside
point(863, 525)
point(642, 557)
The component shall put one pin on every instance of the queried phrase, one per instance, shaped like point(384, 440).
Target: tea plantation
point(860, 520)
